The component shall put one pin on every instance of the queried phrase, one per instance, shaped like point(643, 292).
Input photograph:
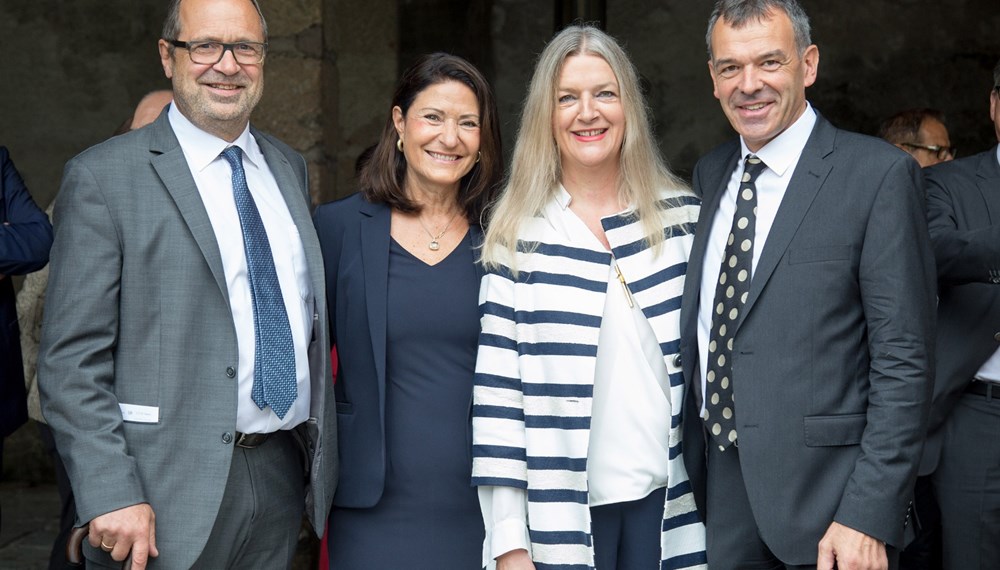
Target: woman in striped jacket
point(578, 394)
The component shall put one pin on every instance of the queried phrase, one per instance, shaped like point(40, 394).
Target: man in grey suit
point(184, 364)
point(963, 203)
point(806, 316)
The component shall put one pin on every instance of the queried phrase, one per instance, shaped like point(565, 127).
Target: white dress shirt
point(630, 419)
point(213, 177)
point(780, 155)
point(990, 370)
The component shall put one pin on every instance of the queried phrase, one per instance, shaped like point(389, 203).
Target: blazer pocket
point(827, 431)
point(817, 254)
point(345, 408)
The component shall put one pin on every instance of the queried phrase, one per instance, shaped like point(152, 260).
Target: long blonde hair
point(535, 171)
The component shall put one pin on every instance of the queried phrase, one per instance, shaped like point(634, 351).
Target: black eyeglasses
point(211, 53)
point(941, 152)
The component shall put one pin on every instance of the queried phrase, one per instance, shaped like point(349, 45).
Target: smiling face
point(759, 77)
point(440, 134)
point(216, 98)
point(588, 121)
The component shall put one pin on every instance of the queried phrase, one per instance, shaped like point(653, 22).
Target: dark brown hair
point(904, 127)
point(383, 175)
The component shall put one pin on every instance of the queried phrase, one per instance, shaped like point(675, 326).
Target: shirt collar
point(203, 148)
point(563, 197)
point(998, 154)
point(783, 151)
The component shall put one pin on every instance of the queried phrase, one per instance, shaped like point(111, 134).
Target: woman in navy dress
point(402, 286)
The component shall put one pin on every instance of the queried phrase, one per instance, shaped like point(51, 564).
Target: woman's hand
point(515, 560)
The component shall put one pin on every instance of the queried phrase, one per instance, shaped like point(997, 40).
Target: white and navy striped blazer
point(534, 379)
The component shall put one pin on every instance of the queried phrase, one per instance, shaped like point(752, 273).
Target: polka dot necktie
point(730, 296)
point(274, 354)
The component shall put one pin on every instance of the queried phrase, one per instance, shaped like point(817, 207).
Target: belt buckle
point(250, 440)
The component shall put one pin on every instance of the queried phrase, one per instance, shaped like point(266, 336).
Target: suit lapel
point(810, 173)
point(172, 168)
point(296, 196)
point(988, 182)
point(375, 227)
point(715, 187)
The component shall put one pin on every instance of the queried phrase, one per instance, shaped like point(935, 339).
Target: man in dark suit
point(25, 239)
point(963, 203)
point(184, 362)
point(807, 315)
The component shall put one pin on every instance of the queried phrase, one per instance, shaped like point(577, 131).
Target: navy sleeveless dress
point(428, 516)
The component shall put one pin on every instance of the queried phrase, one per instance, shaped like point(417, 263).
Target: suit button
point(231, 372)
point(227, 438)
point(677, 360)
point(996, 337)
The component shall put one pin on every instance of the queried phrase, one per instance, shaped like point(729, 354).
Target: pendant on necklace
point(434, 245)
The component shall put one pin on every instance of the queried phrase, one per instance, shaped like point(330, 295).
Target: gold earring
point(479, 155)
point(399, 144)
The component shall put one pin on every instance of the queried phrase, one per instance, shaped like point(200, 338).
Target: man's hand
point(129, 529)
point(515, 560)
point(847, 549)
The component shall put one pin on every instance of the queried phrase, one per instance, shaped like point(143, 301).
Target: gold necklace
point(434, 245)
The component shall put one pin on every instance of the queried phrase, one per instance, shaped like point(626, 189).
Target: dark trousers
point(967, 484)
point(261, 511)
point(67, 505)
point(260, 517)
point(627, 535)
point(734, 541)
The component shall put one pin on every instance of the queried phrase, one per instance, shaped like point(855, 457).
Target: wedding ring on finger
point(107, 547)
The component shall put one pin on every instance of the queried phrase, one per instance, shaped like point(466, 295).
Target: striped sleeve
point(498, 439)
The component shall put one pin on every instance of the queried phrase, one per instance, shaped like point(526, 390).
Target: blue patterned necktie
point(274, 354)
point(730, 296)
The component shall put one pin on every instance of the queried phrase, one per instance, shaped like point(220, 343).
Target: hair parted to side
point(738, 13)
point(535, 171)
point(383, 175)
point(904, 127)
point(172, 25)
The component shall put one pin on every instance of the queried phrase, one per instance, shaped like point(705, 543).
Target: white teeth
point(754, 107)
point(592, 133)
point(447, 157)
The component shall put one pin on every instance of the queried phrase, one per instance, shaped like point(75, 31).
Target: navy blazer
point(25, 239)
point(354, 236)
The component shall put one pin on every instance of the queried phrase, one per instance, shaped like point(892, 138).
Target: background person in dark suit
point(813, 381)
point(963, 202)
point(402, 286)
point(184, 365)
point(25, 238)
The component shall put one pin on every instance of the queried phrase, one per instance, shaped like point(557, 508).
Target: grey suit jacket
point(137, 312)
point(963, 205)
point(831, 355)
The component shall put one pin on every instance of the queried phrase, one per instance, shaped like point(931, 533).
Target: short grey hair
point(996, 75)
point(172, 25)
point(738, 13)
